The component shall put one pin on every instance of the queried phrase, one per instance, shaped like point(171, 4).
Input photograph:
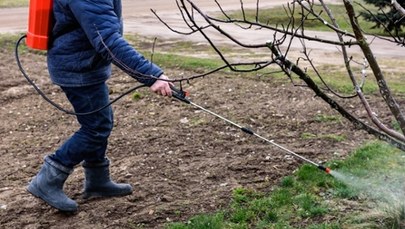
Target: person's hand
point(162, 87)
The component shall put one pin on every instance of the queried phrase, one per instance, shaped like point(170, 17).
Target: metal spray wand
point(182, 96)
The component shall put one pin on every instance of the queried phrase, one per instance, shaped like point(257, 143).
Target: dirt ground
point(180, 160)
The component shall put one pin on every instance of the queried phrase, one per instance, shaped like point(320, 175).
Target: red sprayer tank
point(39, 24)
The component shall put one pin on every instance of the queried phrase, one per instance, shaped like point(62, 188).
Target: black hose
point(17, 57)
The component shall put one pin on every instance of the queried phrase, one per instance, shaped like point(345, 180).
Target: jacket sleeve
point(103, 29)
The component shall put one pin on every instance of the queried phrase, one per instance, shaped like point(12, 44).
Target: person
point(86, 38)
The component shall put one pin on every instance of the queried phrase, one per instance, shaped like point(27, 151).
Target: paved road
point(15, 19)
point(139, 19)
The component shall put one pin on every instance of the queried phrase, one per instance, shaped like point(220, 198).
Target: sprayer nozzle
point(326, 169)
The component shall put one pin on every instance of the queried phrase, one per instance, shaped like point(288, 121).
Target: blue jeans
point(89, 143)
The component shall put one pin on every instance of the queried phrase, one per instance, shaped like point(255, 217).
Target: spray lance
point(182, 96)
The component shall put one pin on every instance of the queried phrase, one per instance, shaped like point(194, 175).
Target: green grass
point(13, 3)
point(280, 16)
point(327, 118)
point(337, 79)
point(137, 96)
point(314, 197)
point(8, 41)
point(186, 63)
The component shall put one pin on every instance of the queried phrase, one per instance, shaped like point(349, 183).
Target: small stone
point(184, 120)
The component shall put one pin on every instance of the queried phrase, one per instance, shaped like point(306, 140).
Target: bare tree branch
point(398, 7)
point(289, 66)
point(382, 83)
point(283, 37)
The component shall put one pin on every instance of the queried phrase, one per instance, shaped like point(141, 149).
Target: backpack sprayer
point(39, 26)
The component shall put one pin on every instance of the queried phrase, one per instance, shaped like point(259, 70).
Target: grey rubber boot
point(48, 185)
point(98, 182)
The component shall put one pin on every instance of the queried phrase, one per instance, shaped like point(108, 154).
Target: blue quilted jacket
point(86, 39)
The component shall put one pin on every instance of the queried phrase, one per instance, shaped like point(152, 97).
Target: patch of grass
point(337, 79)
point(287, 182)
point(309, 206)
point(306, 135)
point(280, 16)
point(197, 121)
point(137, 96)
point(376, 171)
point(192, 47)
point(375, 156)
point(327, 118)
point(186, 63)
point(13, 3)
point(8, 41)
point(315, 198)
point(333, 137)
point(195, 64)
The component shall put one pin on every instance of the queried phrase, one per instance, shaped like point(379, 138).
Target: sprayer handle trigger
point(179, 94)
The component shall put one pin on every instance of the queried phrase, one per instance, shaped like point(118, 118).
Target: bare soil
point(180, 160)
